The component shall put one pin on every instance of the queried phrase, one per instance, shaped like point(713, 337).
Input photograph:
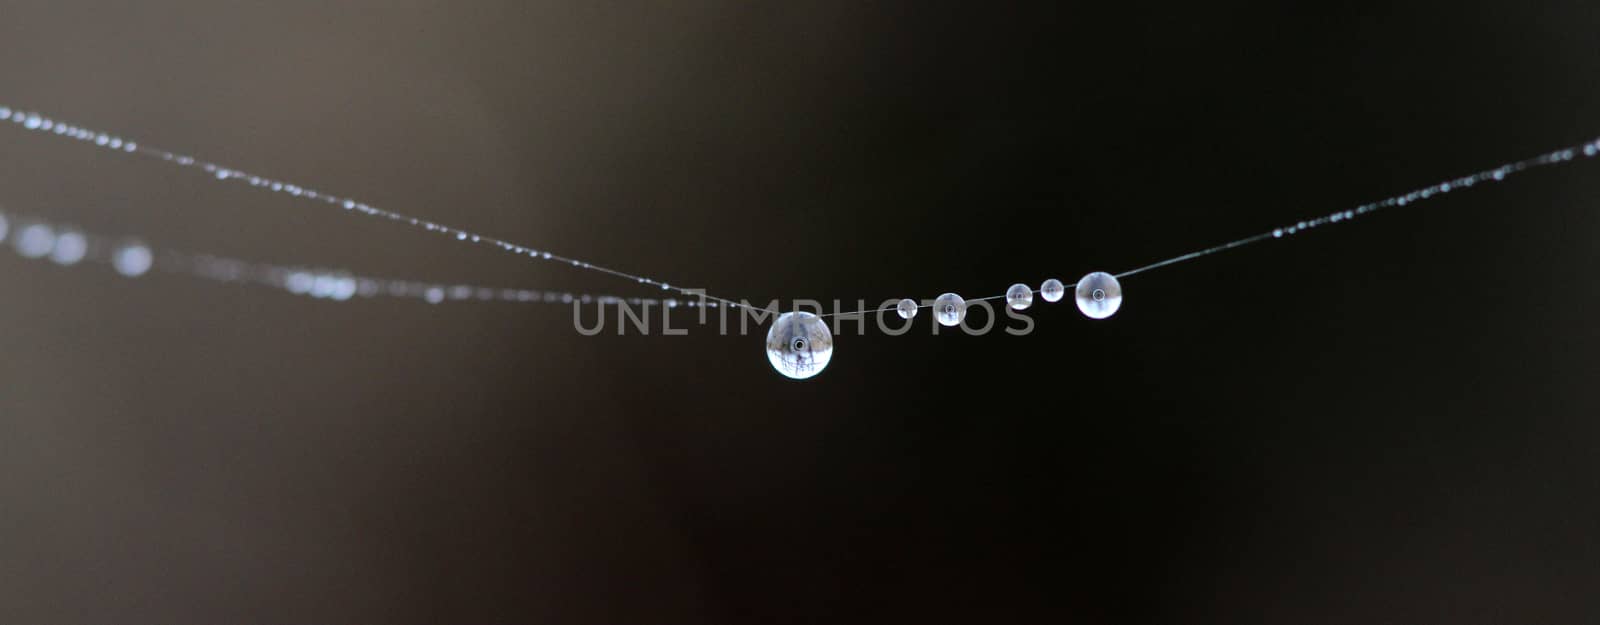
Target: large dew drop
point(949, 309)
point(799, 345)
point(1099, 295)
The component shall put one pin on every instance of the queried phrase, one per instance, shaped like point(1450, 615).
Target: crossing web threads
point(796, 350)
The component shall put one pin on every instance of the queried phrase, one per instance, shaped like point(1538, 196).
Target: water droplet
point(325, 286)
point(1019, 297)
point(344, 287)
point(949, 309)
point(300, 283)
point(799, 345)
point(71, 247)
point(1052, 290)
point(1099, 295)
point(907, 308)
point(132, 259)
point(34, 240)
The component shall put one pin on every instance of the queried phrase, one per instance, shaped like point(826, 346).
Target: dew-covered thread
point(35, 239)
point(1586, 150)
point(40, 123)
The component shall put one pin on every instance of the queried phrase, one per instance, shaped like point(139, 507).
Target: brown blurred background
point(1390, 421)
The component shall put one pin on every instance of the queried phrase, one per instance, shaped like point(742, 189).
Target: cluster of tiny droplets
point(35, 239)
point(37, 122)
point(1497, 174)
point(1589, 149)
point(950, 309)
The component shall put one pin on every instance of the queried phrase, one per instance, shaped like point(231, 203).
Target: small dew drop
point(1052, 290)
point(1019, 297)
point(34, 240)
point(71, 246)
point(132, 259)
point(344, 288)
point(300, 283)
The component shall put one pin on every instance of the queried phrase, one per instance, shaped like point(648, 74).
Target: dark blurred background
point(1388, 421)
